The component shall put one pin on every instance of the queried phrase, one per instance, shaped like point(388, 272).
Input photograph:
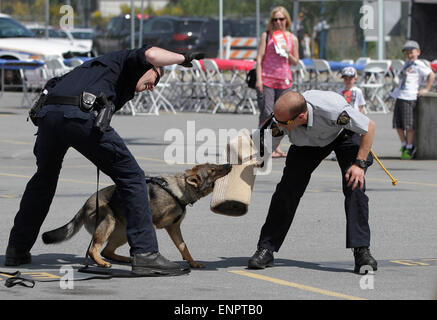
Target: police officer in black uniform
point(317, 123)
point(68, 119)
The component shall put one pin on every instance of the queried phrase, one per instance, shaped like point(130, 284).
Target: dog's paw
point(104, 264)
point(196, 265)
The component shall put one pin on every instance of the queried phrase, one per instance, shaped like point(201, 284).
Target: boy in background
point(406, 95)
point(352, 94)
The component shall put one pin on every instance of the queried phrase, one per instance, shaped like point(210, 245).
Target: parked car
point(63, 35)
point(82, 33)
point(178, 34)
point(114, 37)
point(19, 43)
point(209, 37)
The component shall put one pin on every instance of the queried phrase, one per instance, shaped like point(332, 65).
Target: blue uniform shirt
point(115, 74)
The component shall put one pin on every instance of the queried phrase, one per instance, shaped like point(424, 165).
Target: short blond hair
point(284, 12)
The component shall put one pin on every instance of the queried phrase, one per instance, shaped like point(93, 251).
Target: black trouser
point(56, 133)
point(300, 163)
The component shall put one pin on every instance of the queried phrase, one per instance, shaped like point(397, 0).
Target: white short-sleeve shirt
point(328, 115)
point(354, 97)
point(412, 75)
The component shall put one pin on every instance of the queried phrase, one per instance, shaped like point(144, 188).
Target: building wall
point(112, 7)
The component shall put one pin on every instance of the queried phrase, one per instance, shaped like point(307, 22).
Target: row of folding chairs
point(377, 79)
point(206, 88)
point(198, 89)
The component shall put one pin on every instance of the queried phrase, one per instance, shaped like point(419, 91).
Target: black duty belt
point(66, 100)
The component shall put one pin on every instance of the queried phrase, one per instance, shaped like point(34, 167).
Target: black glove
point(189, 56)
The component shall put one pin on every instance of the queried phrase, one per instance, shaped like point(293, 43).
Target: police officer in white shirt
point(318, 122)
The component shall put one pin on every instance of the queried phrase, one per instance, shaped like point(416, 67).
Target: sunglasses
point(285, 123)
point(276, 19)
point(158, 76)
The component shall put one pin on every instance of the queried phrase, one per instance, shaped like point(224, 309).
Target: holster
point(105, 109)
point(37, 106)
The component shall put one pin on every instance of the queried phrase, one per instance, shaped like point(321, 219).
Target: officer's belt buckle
point(87, 101)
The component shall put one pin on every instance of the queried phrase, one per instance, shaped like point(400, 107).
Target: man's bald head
point(289, 105)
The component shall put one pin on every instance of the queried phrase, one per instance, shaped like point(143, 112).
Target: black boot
point(154, 264)
point(262, 258)
point(364, 258)
point(15, 257)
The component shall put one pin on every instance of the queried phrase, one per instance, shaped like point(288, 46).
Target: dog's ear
point(194, 180)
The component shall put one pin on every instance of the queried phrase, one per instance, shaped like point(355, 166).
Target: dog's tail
point(67, 231)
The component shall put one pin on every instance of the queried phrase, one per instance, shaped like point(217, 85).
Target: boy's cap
point(410, 44)
point(348, 72)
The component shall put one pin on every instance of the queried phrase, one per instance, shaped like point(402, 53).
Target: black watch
point(361, 163)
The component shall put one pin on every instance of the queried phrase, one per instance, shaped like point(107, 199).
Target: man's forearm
point(366, 142)
point(161, 57)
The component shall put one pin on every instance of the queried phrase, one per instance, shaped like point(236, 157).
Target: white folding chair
point(161, 91)
point(299, 75)
point(33, 82)
point(141, 105)
point(322, 67)
point(194, 89)
point(173, 85)
point(396, 67)
point(376, 82)
point(362, 60)
point(224, 94)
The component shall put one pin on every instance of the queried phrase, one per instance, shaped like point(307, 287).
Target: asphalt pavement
point(313, 263)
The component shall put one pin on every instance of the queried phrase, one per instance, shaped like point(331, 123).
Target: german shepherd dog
point(168, 196)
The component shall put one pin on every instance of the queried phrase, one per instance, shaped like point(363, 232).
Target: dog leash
point(15, 278)
point(87, 258)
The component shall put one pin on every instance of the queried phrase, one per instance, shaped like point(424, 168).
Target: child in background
point(406, 95)
point(352, 94)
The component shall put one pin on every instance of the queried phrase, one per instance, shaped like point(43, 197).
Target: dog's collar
point(164, 185)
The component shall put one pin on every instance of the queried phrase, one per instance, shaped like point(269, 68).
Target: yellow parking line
point(7, 196)
point(373, 179)
point(62, 179)
point(149, 159)
point(296, 285)
point(273, 171)
point(161, 160)
point(15, 142)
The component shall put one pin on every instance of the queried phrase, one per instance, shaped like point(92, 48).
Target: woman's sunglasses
point(276, 19)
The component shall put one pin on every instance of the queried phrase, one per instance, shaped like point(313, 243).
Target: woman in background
point(273, 71)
